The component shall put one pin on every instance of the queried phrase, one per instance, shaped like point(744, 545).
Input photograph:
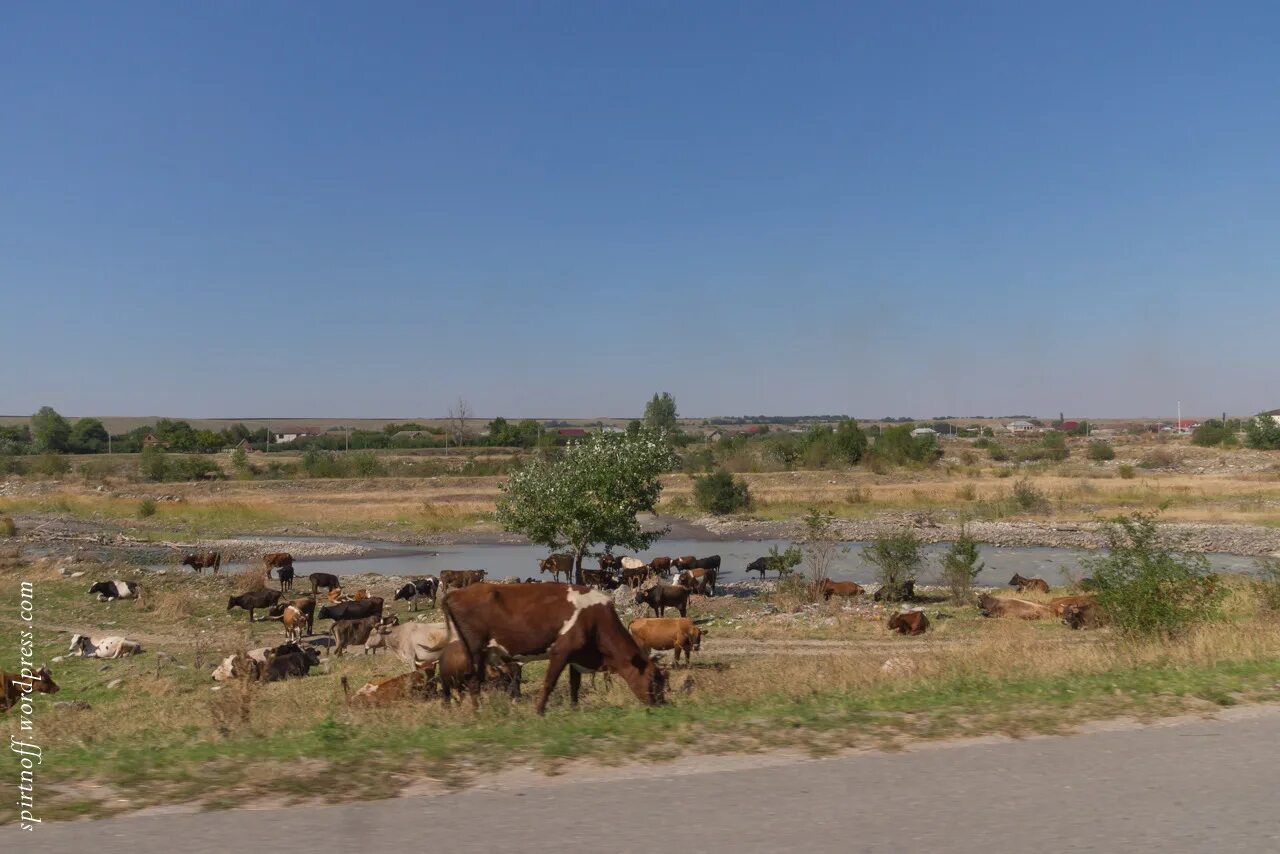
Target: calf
point(660, 597)
point(418, 588)
point(453, 670)
point(388, 690)
point(610, 563)
point(908, 623)
point(15, 685)
point(306, 606)
point(350, 632)
point(286, 662)
point(253, 600)
point(568, 625)
point(286, 577)
point(846, 589)
point(992, 606)
point(327, 580)
point(109, 590)
point(1059, 605)
point(108, 647)
point(371, 607)
point(1026, 585)
point(459, 578)
point(200, 561)
point(675, 633)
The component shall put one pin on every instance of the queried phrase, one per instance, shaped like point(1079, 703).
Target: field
point(774, 672)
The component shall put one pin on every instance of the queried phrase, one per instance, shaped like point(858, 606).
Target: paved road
point(1198, 786)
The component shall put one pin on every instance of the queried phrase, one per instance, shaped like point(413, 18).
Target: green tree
point(897, 560)
point(850, 441)
point(88, 436)
point(590, 494)
point(1263, 433)
point(960, 566)
point(721, 493)
point(153, 464)
point(1146, 588)
point(660, 413)
point(49, 430)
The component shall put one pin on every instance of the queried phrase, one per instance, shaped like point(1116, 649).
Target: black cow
point(663, 596)
point(356, 610)
point(760, 565)
point(254, 599)
point(419, 587)
point(712, 562)
point(285, 662)
point(286, 577)
point(323, 579)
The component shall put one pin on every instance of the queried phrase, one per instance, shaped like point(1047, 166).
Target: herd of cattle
point(490, 629)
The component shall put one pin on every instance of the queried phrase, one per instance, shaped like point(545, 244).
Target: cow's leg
point(555, 664)
point(575, 685)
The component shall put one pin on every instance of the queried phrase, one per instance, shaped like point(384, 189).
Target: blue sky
point(288, 209)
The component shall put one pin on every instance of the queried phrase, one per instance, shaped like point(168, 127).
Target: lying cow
point(388, 690)
point(908, 623)
point(237, 664)
point(1029, 585)
point(568, 625)
point(252, 600)
point(459, 578)
point(675, 633)
point(285, 662)
point(306, 606)
point(108, 647)
point(993, 606)
point(200, 561)
point(1084, 615)
point(557, 565)
point(416, 644)
point(419, 588)
point(1058, 606)
point(844, 589)
point(109, 590)
point(371, 607)
point(599, 578)
point(327, 580)
point(352, 632)
point(660, 597)
point(15, 685)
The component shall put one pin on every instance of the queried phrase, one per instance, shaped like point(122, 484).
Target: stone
point(115, 683)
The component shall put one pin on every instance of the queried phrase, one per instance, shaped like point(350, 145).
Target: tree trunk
point(577, 563)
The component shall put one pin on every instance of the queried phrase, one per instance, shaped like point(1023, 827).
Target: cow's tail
point(451, 628)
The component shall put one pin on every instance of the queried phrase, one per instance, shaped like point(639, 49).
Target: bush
point(7, 528)
point(147, 508)
point(960, 567)
point(1127, 472)
point(1210, 434)
point(367, 464)
point(1158, 459)
point(897, 560)
point(1100, 452)
point(721, 493)
point(1054, 446)
point(50, 464)
point(1144, 588)
point(1028, 498)
point(783, 563)
point(153, 464)
point(997, 452)
point(192, 468)
point(1266, 586)
point(820, 546)
point(1262, 433)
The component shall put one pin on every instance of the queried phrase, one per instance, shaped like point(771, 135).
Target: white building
point(1020, 427)
point(924, 431)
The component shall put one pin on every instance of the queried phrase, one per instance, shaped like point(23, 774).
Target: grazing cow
point(254, 599)
point(700, 581)
point(660, 566)
point(108, 647)
point(306, 606)
point(277, 560)
point(908, 623)
point(327, 580)
point(557, 565)
point(388, 690)
point(460, 578)
point(675, 633)
point(286, 578)
point(760, 565)
point(1084, 615)
point(200, 561)
point(634, 576)
point(420, 587)
point(416, 644)
point(610, 562)
point(632, 563)
point(1029, 585)
point(660, 597)
point(285, 662)
point(371, 607)
point(15, 685)
point(568, 625)
point(1058, 605)
point(351, 632)
point(599, 578)
point(993, 606)
point(453, 670)
point(109, 590)
point(847, 589)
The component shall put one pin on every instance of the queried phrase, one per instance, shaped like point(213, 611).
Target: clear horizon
point(333, 210)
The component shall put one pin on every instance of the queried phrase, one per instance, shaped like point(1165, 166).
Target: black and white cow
point(107, 647)
point(108, 590)
point(425, 588)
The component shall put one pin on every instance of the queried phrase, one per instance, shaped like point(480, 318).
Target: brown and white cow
point(994, 606)
point(700, 581)
point(15, 685)
point(663, 633)
point(306, 606)
point(106, 647)
point(1029, 585)
point(557, 565)
point(908, 623)
point(200, 561)
point(660, 566)
point(388, 690)
point(568, 625)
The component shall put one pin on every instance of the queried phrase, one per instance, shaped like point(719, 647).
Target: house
point(1186, 424)
point(1020, 427)
point(1068, 426)
point(244, 445)
point(715, 436)
point(923, 431)
point(292, 434)
point(150, 439)
point(1275, 415)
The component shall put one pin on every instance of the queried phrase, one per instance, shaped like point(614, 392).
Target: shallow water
point(502, 561)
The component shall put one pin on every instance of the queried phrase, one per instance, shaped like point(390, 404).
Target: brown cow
point(1086, 615)
point(336, 595)
point(993, 606)
point(1029, 585)
point(200, 561)
point(453, 670)
point(1058, 605)
point(676, 633)
point(660, 597)
point(635, 576)
point(348, 632)
point(460, 577)
point(908, 623)
point(14, 685)
point(557, 565)
point(327, 580)
point(568, 625)
point(273, 560)
point(599, 578)
point(660, 566)
point(389, 689)
point(306, 606)
point(610, 562)
point(686, 562)
point(847, 589)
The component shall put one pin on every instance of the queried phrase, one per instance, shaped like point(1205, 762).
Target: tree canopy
point(50, 430)
point(588, 495)
point(660, 413)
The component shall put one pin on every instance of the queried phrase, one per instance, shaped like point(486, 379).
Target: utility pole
point(1179, 424)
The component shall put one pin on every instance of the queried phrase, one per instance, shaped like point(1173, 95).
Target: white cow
point(632, 563)
point(416, 644)
point(111, 647)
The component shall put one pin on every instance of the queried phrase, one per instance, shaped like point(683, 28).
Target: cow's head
point(42, 681)
point(406, 592)
point(1016, 580)
point(232, 601)
point(78, 643)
